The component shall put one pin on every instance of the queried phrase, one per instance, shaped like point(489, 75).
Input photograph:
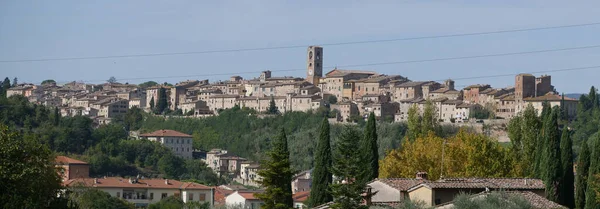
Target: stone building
point(314, 65)
point(179, 143)
point(471, 93)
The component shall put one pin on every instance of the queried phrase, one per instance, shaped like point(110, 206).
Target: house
point(568, 104)
point(408, 90)
point(220, 195)
point(244, 199)
point(471, 93)
point(249, 174)
point(433, 193)
point(143, 192)
point(346, 109)
point(179, 143)
point(300, 199)
point(71, 168)
point(213, 158)
point(535, 200)
point(302, 181)
point(336, 82)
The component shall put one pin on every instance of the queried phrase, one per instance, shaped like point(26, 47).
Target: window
point(191, 196)
point(151, 195)
point(119, 194)
point(202, 197)
point(163, 195)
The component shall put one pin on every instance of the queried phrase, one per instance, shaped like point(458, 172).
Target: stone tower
point(314, 68)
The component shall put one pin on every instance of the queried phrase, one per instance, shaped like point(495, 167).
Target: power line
point(369, 64)
point(300, 46)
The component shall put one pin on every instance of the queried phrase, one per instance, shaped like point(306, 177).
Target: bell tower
point(314, 68)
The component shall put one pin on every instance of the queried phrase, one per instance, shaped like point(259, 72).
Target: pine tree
point(162, 101)
point(347, 168)
point(5, 85)
point(15, 82)
point(551, 165)
point(583, 165)
point(568, 177)
point(591, 200)
point(277, 175)
point(152, 104)
point(414, 123)
point(370, 150)
point(321, 176)
point(272, 107)
point(593, 97)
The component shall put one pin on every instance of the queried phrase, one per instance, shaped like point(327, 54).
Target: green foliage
point(49, 81)
point(495, 200)
point(171, 166)
point(369, 150)
point(5, 86)
point(92, 198)
point(482, 113)
point(550, 160)
point(27, 173)
point(272, 107)
point(163, 104)
point(414, 122)
point(321, 176)
point(332, 99)
point(147, 84)
point(523, 131)
point(583, 165)
point(430, 122)
point(567, 179)
point(347, 168)
point(133, 119)
point(277, 175)
point(152, 103)
point(112, 79)
point(591, 198)
point(171, 202)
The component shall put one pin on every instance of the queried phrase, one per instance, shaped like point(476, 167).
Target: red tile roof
point(248, 195)
point(117, 182)
point(64, 160)
point(301, 196)
point(164, 132)
point(220, 195)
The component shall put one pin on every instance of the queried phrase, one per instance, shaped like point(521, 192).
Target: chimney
point(167, 181)
point(95, 180)
point(130, 181)
point(421, 175)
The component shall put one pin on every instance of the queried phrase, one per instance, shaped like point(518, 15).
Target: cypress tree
point(5, 85)
point(551, 165)
point(321, 176)
point(530, 128)
point(591, 200)
point(347, 161)
point(568, 177)
point(272, 107)
point(593, 96)
point(370, 150)
point(162, 101)
point(152, 103)
point(583, 165)
point(277, 175)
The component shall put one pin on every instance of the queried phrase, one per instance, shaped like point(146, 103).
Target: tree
point(5, 85)
point(530, 129)
point(321, 176)
point(494, 200)
point(171, 165)
point(29, 178)
point(49, 81)
point(147, 84)
point(162, 101)
point(568, 177)
point(133, 119)
point(551, 163)
point(347, 169)
point(277, 176)
point(332, 99)
point(430, 122)
point(171, 202)
point(370, 150)
point(272, 107)
point(583, 165)
point(152, 103)
point(14, 82)
point(591, 200)
point(414, 122)
point(92, 198)
point(593, 97)
point(112, 79)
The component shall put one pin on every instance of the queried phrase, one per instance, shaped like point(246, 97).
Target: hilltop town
point(352, 93)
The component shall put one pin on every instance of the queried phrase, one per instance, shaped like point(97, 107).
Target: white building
point(179, 143)
point(243, 199)
point(143, 192)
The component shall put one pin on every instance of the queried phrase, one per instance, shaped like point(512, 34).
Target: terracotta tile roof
point(402, 184)
point(481, 183)
point(535, 200)
point(549, 97)
point(220, 195)
point(64, 160)
point(248, 195)
point(301, 196)
point(117, 182)
point(164, 132)
point(412, 83)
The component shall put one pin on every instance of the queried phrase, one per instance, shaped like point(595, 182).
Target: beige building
point(346, 109)
point(408, 91)
point(111, 107)
point(243, 199)
point(569, 104)
point(336, 82)
point(249, 174)
point(302, 181)
point(179, 143)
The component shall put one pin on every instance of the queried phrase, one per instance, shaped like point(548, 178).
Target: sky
point(59, 29)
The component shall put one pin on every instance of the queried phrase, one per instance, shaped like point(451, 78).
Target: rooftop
point(117, 182)
point(548, 97)
point(64, 160)
point(535, 200)
point(167, 133)
point(301, 196)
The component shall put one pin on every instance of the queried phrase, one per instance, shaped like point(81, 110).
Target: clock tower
point(314, 68)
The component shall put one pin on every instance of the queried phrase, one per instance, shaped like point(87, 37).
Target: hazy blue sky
point(54, 29)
